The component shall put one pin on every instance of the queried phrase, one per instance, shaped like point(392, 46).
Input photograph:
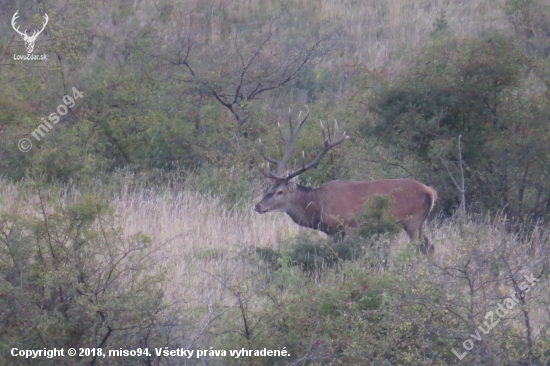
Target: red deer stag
point(334, 206)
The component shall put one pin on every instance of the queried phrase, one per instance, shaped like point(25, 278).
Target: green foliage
point(450, 92)
point(271, 257)
point(322, 323)
point(68, 278)
point(375, 219)
point(413, 312)
point(311, 253)
point(471, 88)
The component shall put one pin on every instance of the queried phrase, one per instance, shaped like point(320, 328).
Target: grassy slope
point(380, 34)
point(197, 237)
point(202, 244)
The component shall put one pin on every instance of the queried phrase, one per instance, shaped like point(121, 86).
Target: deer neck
point(304, 209)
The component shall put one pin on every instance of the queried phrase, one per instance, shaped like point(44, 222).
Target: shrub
point(476, 89)
point(375, 219)
point(69, 278)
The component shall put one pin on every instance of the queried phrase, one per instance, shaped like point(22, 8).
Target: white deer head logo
point(29, 40)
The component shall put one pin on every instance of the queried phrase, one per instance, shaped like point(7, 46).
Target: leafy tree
point(474, 89)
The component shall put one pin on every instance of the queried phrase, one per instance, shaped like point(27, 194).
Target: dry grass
point(201, 243)
point(199, 240)
point(385, 33)
point(380, 34)
point(195, 237)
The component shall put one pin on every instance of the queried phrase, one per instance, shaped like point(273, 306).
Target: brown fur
point(335, 205)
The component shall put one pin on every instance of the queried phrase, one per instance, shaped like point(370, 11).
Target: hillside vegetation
point(129, 224)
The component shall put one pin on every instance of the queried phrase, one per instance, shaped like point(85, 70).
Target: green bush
point(375, 219)
point(311, 253)
point(69, 278)
point(476, 89)
point(339, 321)
point(413, 312)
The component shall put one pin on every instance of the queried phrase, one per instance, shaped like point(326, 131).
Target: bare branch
point(461, 187)
point(250, 69)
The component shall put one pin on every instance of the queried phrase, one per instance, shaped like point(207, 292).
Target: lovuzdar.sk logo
point(29, 40)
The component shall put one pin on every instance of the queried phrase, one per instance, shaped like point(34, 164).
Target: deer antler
point(328, 144)
point(288, 146)
point(29, 40)
point(13, 19)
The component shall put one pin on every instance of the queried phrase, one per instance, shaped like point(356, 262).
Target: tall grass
point(199, 239)
point(206, 249)
point(196, 235)
point(380, 34)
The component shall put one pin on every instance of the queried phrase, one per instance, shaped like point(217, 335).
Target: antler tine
point(288, 141)
point(336, 131)
point(300, 123)
point(290, 121)
point(269, 174)
point(281, 132)
point(337, 137)
point(328, 144)
point(266, 157)
point(323, 131)
point(282, 163)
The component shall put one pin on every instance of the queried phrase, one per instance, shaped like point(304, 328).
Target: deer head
point(283, 190)
point(29, 40)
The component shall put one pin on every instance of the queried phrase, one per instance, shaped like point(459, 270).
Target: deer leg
point(410, 230)
point(415, 232)
point(338, 236)
point(427, 248)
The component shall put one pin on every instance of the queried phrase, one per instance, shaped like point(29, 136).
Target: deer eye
point(279, 193)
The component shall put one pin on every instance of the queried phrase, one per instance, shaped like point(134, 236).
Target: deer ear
point(292, 187)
